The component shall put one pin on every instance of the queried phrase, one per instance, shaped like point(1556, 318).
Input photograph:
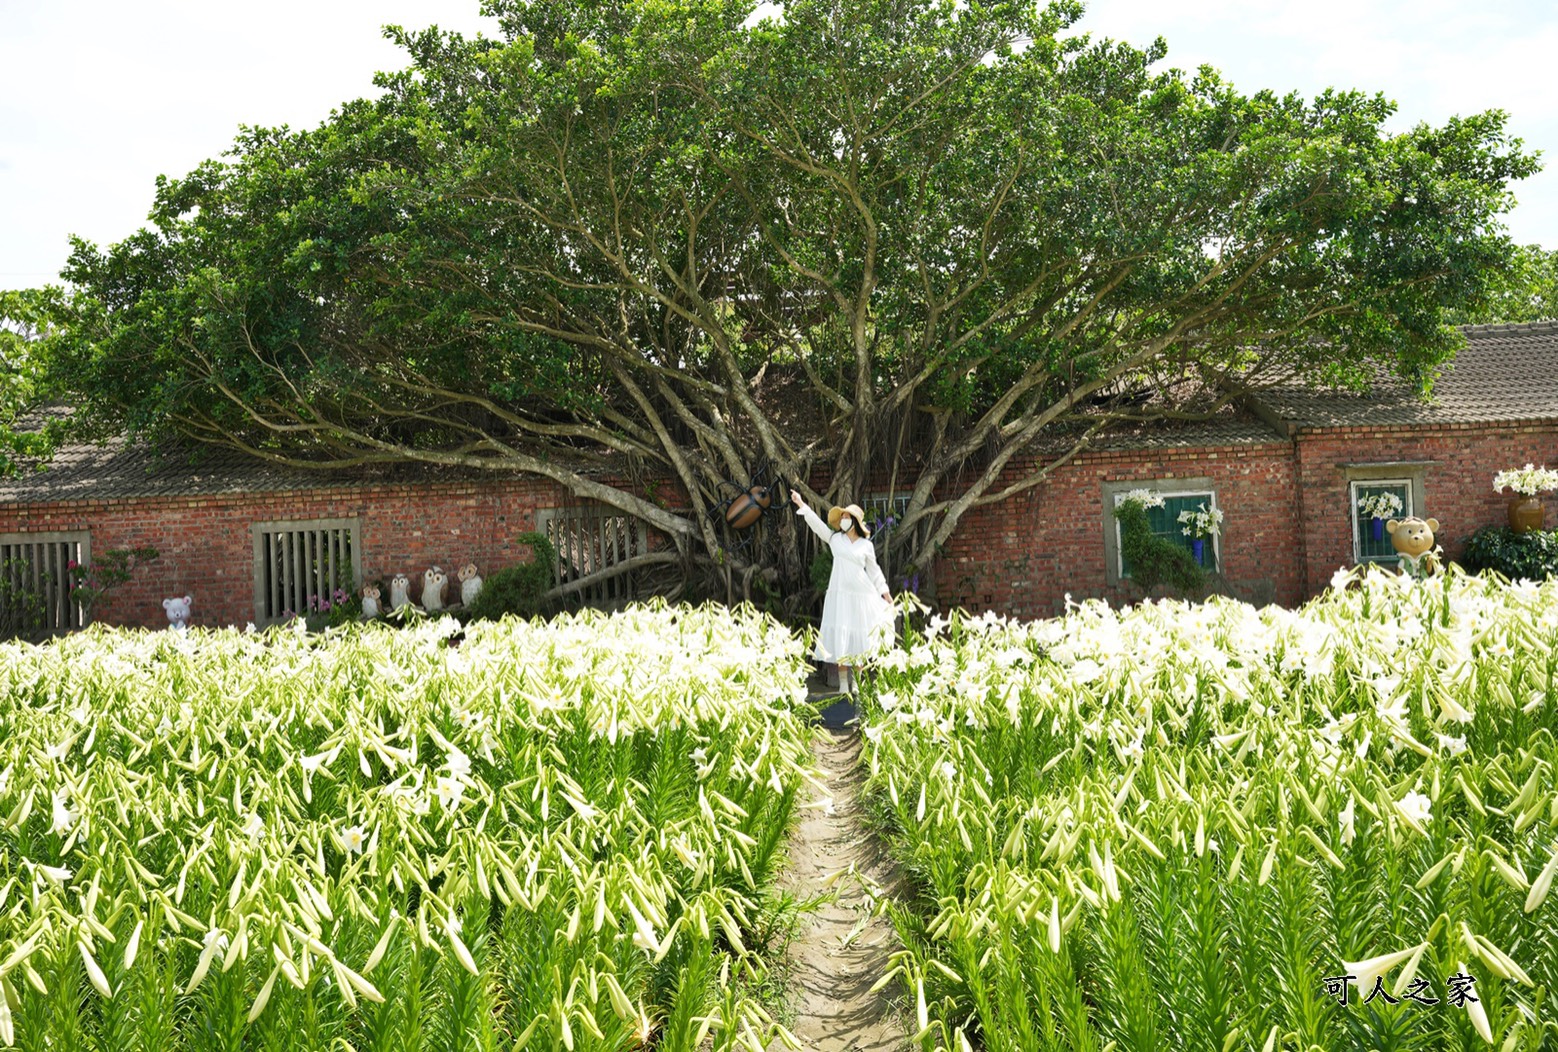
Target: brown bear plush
point(1413, 540)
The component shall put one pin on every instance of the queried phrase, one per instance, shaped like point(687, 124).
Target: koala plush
point(433, 583)
point(177, 610)
point(470, 584)
point(1413, 540)
point(370, 600)
point(400, 591)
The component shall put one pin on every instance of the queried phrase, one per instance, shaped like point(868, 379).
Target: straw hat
point(836, 513)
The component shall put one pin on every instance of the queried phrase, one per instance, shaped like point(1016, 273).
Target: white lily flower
point(1365, 972)
point(64, 818)
point(1454, 746)
point(1416, 807)
point(449, 790)
point(1474, 1009)
point(58, 874)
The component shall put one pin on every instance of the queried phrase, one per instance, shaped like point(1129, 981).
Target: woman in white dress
point(857, 612)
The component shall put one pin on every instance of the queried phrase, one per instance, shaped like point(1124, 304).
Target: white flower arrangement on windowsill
point(1145, 497)
point(1204, 522)
point(1527, 481)
point(1384, 505)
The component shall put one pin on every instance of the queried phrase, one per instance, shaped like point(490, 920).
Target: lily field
point(553, 836)
point(1186, 826)
point(1205, 827)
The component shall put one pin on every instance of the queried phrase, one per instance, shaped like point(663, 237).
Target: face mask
point(846, 524)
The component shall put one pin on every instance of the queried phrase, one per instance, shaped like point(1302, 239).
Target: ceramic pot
point(1525, 514)
point(1379, 529)
point(1198, 549)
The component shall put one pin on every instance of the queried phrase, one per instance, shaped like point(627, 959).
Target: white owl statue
point(400, 591)
point(470, 584)
point(433, 583)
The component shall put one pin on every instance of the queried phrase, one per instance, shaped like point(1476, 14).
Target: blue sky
point(97, 97)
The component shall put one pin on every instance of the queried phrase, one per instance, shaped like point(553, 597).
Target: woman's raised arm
point(810, 517)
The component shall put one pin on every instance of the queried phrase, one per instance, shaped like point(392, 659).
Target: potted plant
point(1198, 525)
point(1525, 508)
point(1379, 507)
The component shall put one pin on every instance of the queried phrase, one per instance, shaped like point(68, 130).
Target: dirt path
point(841, 949)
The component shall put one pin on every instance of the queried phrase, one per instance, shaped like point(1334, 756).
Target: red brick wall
point(207, 549)
point(1286, 527)
point(1457, 486)
point(1022, 556)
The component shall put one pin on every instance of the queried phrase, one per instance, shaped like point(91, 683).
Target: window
point(590, 538)
point(295, 562)
point(35, 583)
point(879, 508)
point(1365, 548)
point(1179, 495)
point(1402, 478)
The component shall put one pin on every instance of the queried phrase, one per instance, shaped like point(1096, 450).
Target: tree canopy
point(1524, 292)
point(905, 241)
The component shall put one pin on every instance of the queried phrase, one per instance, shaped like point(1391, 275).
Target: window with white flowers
point(1374, 503)
point(1382, 491)
point(1182, 498)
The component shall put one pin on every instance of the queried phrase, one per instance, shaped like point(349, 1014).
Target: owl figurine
point(400, 591)
point(370, 601)
point(470, 584)
point(433, 583)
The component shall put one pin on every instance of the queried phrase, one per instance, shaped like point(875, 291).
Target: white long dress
point(856, 620)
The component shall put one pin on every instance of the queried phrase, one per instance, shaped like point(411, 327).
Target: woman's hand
point(887, 597)
point(795, 498)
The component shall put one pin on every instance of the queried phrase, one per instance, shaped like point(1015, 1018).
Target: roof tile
point(1504, 373)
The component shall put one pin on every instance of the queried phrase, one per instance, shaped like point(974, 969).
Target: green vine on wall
point(1153, 560)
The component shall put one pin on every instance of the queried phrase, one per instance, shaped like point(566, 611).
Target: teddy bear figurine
point(177, 610)
point(1413, 539)
point(370, 601)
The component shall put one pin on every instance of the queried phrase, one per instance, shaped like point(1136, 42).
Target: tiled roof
point(1228, 428)
point(1504, 373)
point(111, 472)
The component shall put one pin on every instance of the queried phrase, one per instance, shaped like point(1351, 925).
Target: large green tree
point(903, 241)
point(27, 430)
point(1526, 291)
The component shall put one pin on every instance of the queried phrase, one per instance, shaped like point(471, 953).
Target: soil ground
point(842, 948)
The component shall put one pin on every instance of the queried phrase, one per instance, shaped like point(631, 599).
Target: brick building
point(1287, 471)
point(250, 541)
